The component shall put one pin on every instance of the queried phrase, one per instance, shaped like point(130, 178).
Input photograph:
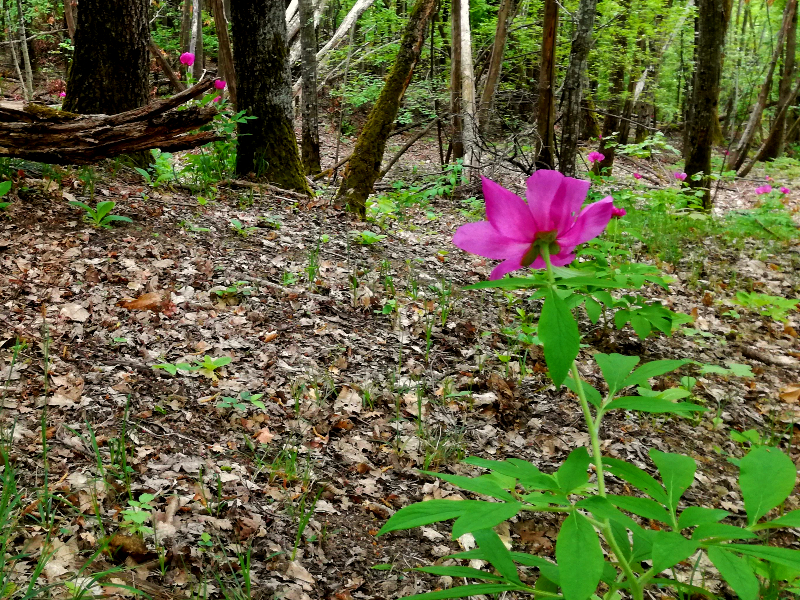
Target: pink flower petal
point(508, 213)
point(562, 258)
point(570, 198)
point(483, 239)
point(541, 190)
point(512, 264)
point(591, 223)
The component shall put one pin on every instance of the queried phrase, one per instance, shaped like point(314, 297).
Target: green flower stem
point(594, 435)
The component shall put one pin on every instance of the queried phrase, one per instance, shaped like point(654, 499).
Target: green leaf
point(700, 515)
point(604, 297)
point(579, 557)
point(653, 369)
point(677, 473)
point(480, 485)
point(654, 405)
point(484, 515)
point(509, 283)
point(573, 472)
point(111, 218)
point(670, 548)
point(620, 533)
point(103, 208)
point(560, 336)
point(615, 368)
point(5, 187)
point(736, 571)
point(644, 507)
point(790, 519)
point(721, 531)
point(80, 204)
point(766, 477)
point(603, 509)
point(592, 395)
point(496, 553)
point(458, 571)
point(529, 476)
point(782, 556)
point(425, 513)
point(638, 478)
point(641, 325)
point(169, 368)
point(463, 591)
point(593, 309)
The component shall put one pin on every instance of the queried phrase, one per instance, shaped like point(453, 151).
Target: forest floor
point(370, 363)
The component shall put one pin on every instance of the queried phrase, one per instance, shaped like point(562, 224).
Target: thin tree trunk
point(730, 117)
point(165, 67)
point(457, 143)
point(224, 51)
point(341, 103)
point(504, 17)
point(319, 9)
point(26, 59)
point(782, 110)
point(358, 9)
point(581, 44)
point(739, 153)
point(611, 122)
point(197, 40)
point(69, 17)
point(364, 166)
point(310, 136)
point(472, 153)
point(15, 58)
point(712, 18)
point(773, 146)
point(547, 70)
point(266, 144)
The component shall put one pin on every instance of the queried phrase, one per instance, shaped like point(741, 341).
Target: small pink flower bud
point(637, 176)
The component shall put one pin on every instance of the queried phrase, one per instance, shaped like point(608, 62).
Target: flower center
point(542, 238)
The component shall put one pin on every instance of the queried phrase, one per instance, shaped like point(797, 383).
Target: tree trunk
point(547, 76)
point(266, 144)
point(69, 17)
point(457, 143)
point(739, 153)
point(364, 166)
point(611, 122)
point(581, 44)
point(186, 29)
point(197, 40)
point(224, 51)
point(495, 63)
point(358, 9)
point(109, 72)
point(773, 147)
point(166, 67)
point(26, 59)
point(712, 18)
point(472, 152)
point(308, 42)
point(319, 9)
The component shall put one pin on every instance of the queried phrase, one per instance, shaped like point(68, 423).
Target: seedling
point(366, 237)
point(139, 513)
point(100, 216)
point(240, 288)
point(5, 187)
point(241, 229)
point(774, 307)
point(238, 403)
point(206, 366)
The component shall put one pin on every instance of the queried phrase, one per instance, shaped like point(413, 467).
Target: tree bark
point(712, 16)
point(739, 153)
point(308, 43)
point(266, 144)
point(364, 166)
point(546, 117)
point(69, 17)
point(224, 51)
point(109, 72)
point(472, 152)
point(581, 44)
point(57, 137)
point(611, 121)
point(504, 17)
point(457, 135)
point(197, 40)
point(319, 9)
point(773, 147)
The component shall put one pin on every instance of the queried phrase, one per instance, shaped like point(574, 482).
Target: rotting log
point(51, 136)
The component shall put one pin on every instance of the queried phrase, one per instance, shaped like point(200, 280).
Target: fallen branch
point(405, 147)
point(52, 136)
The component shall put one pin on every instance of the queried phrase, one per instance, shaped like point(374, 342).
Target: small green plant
point(238, 403)
point(238, 289)
point(241, 229)
point(774, 307)
point(161, 170)
point(366, 237)
point(100, 216)
point(205, 366)
point(270, 222)
point(139, 513)
point(5, 187)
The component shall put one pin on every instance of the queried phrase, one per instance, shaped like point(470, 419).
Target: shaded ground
point(371, 364)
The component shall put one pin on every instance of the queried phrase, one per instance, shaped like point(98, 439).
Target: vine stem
point(594, 435)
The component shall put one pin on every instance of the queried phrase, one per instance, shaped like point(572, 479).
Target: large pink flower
point(516, 230)
point(187, 58)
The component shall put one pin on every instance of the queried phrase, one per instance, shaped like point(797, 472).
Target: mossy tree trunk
point(712, 18)
point(109, 72)
point(365, 165)
point(266, 144)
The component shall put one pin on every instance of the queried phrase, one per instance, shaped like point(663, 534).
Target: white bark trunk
point(358, 9)
point(472, 157)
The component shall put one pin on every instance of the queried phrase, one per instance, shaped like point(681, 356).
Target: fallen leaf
point(296, 571)
point(155, 301)
point(264, 436)
point(75, 312)
point(791, 393)
point(348, 400)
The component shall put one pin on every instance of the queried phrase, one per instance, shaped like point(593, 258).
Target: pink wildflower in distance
point(217, 99)
point(220, 84)
point(62, 94)
point(764, 189)
point(680, 176)
point(637, 176)
point(595, 156)
point(784, 190)
point(516, 230)
point(187, 58)
point(618, 213)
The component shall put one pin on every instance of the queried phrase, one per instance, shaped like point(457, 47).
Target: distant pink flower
point(516, 231)
point(768, 178)
point(618, 213)
point(220, 84)
point(217, 99)
point(680, 176)
point(727, 152)
point(62, 94)
point(637, 176)
point(784, 190)
point(764, 189)
point(187, 58)
point(595, 156)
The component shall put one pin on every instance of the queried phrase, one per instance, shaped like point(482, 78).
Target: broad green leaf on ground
point(767, 477)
